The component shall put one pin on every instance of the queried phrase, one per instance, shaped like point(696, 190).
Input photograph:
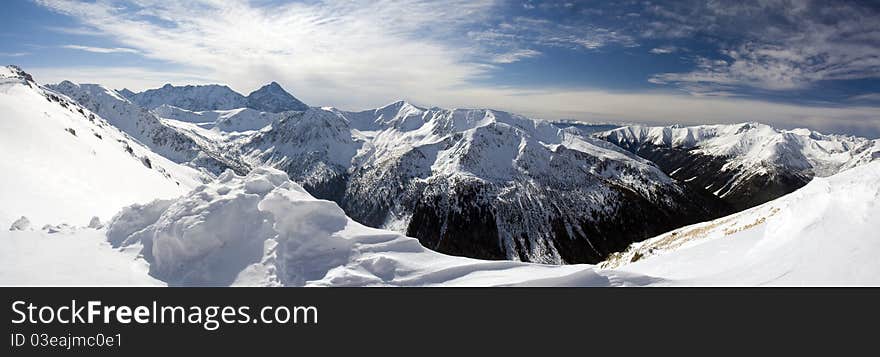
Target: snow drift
point(262, 229)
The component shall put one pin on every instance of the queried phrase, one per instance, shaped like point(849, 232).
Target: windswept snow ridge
point(825, 233)
point(262, 229)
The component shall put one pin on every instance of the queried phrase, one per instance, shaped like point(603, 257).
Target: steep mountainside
point(478, 183)
point(745, 164)
point(63, 163)
point(145, 127)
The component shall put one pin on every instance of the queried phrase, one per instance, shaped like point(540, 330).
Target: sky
point(787, 63)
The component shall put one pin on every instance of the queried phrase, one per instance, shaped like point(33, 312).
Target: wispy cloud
point(82, 31)
point(664, 50)
point(531, 31)
point(101, 49)
point(514, 56)
point(868, 97)
point(14, 54)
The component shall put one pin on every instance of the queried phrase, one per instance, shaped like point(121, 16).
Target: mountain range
point(744, 164)
point(269, 98)
point(478, 183)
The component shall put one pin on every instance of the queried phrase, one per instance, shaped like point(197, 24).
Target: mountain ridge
point(747, 163)
point(269, 98)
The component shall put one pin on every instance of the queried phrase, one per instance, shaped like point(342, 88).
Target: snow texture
point(63, 163)
point(262, 229)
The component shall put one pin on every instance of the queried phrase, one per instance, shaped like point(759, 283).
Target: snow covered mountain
point(270, 98)
point(63, 163)
point(274, 99)
point(226, 121)
point(745, 164)
point(477, 183)
point(825, 233)
point(195, 98)
point(146, 128)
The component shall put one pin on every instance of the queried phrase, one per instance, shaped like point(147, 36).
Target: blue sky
point(787, 63)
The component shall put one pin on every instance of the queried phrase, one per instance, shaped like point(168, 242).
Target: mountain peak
point(397, 105)
point(125, 92)
point(14, 71)
point(273, 98)
point(271, 86)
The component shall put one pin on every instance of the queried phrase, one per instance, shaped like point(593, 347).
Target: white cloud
point(82, 31)
point(101, 49)
point(867, 97)
point(664, 50)
point(514, 56)
point(14, 54)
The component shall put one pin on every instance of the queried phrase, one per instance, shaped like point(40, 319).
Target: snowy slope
point(228, 121)
point(825, 233)
point(144, 127)
point(62, 163)
point(73, 257)
point(748, 163)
